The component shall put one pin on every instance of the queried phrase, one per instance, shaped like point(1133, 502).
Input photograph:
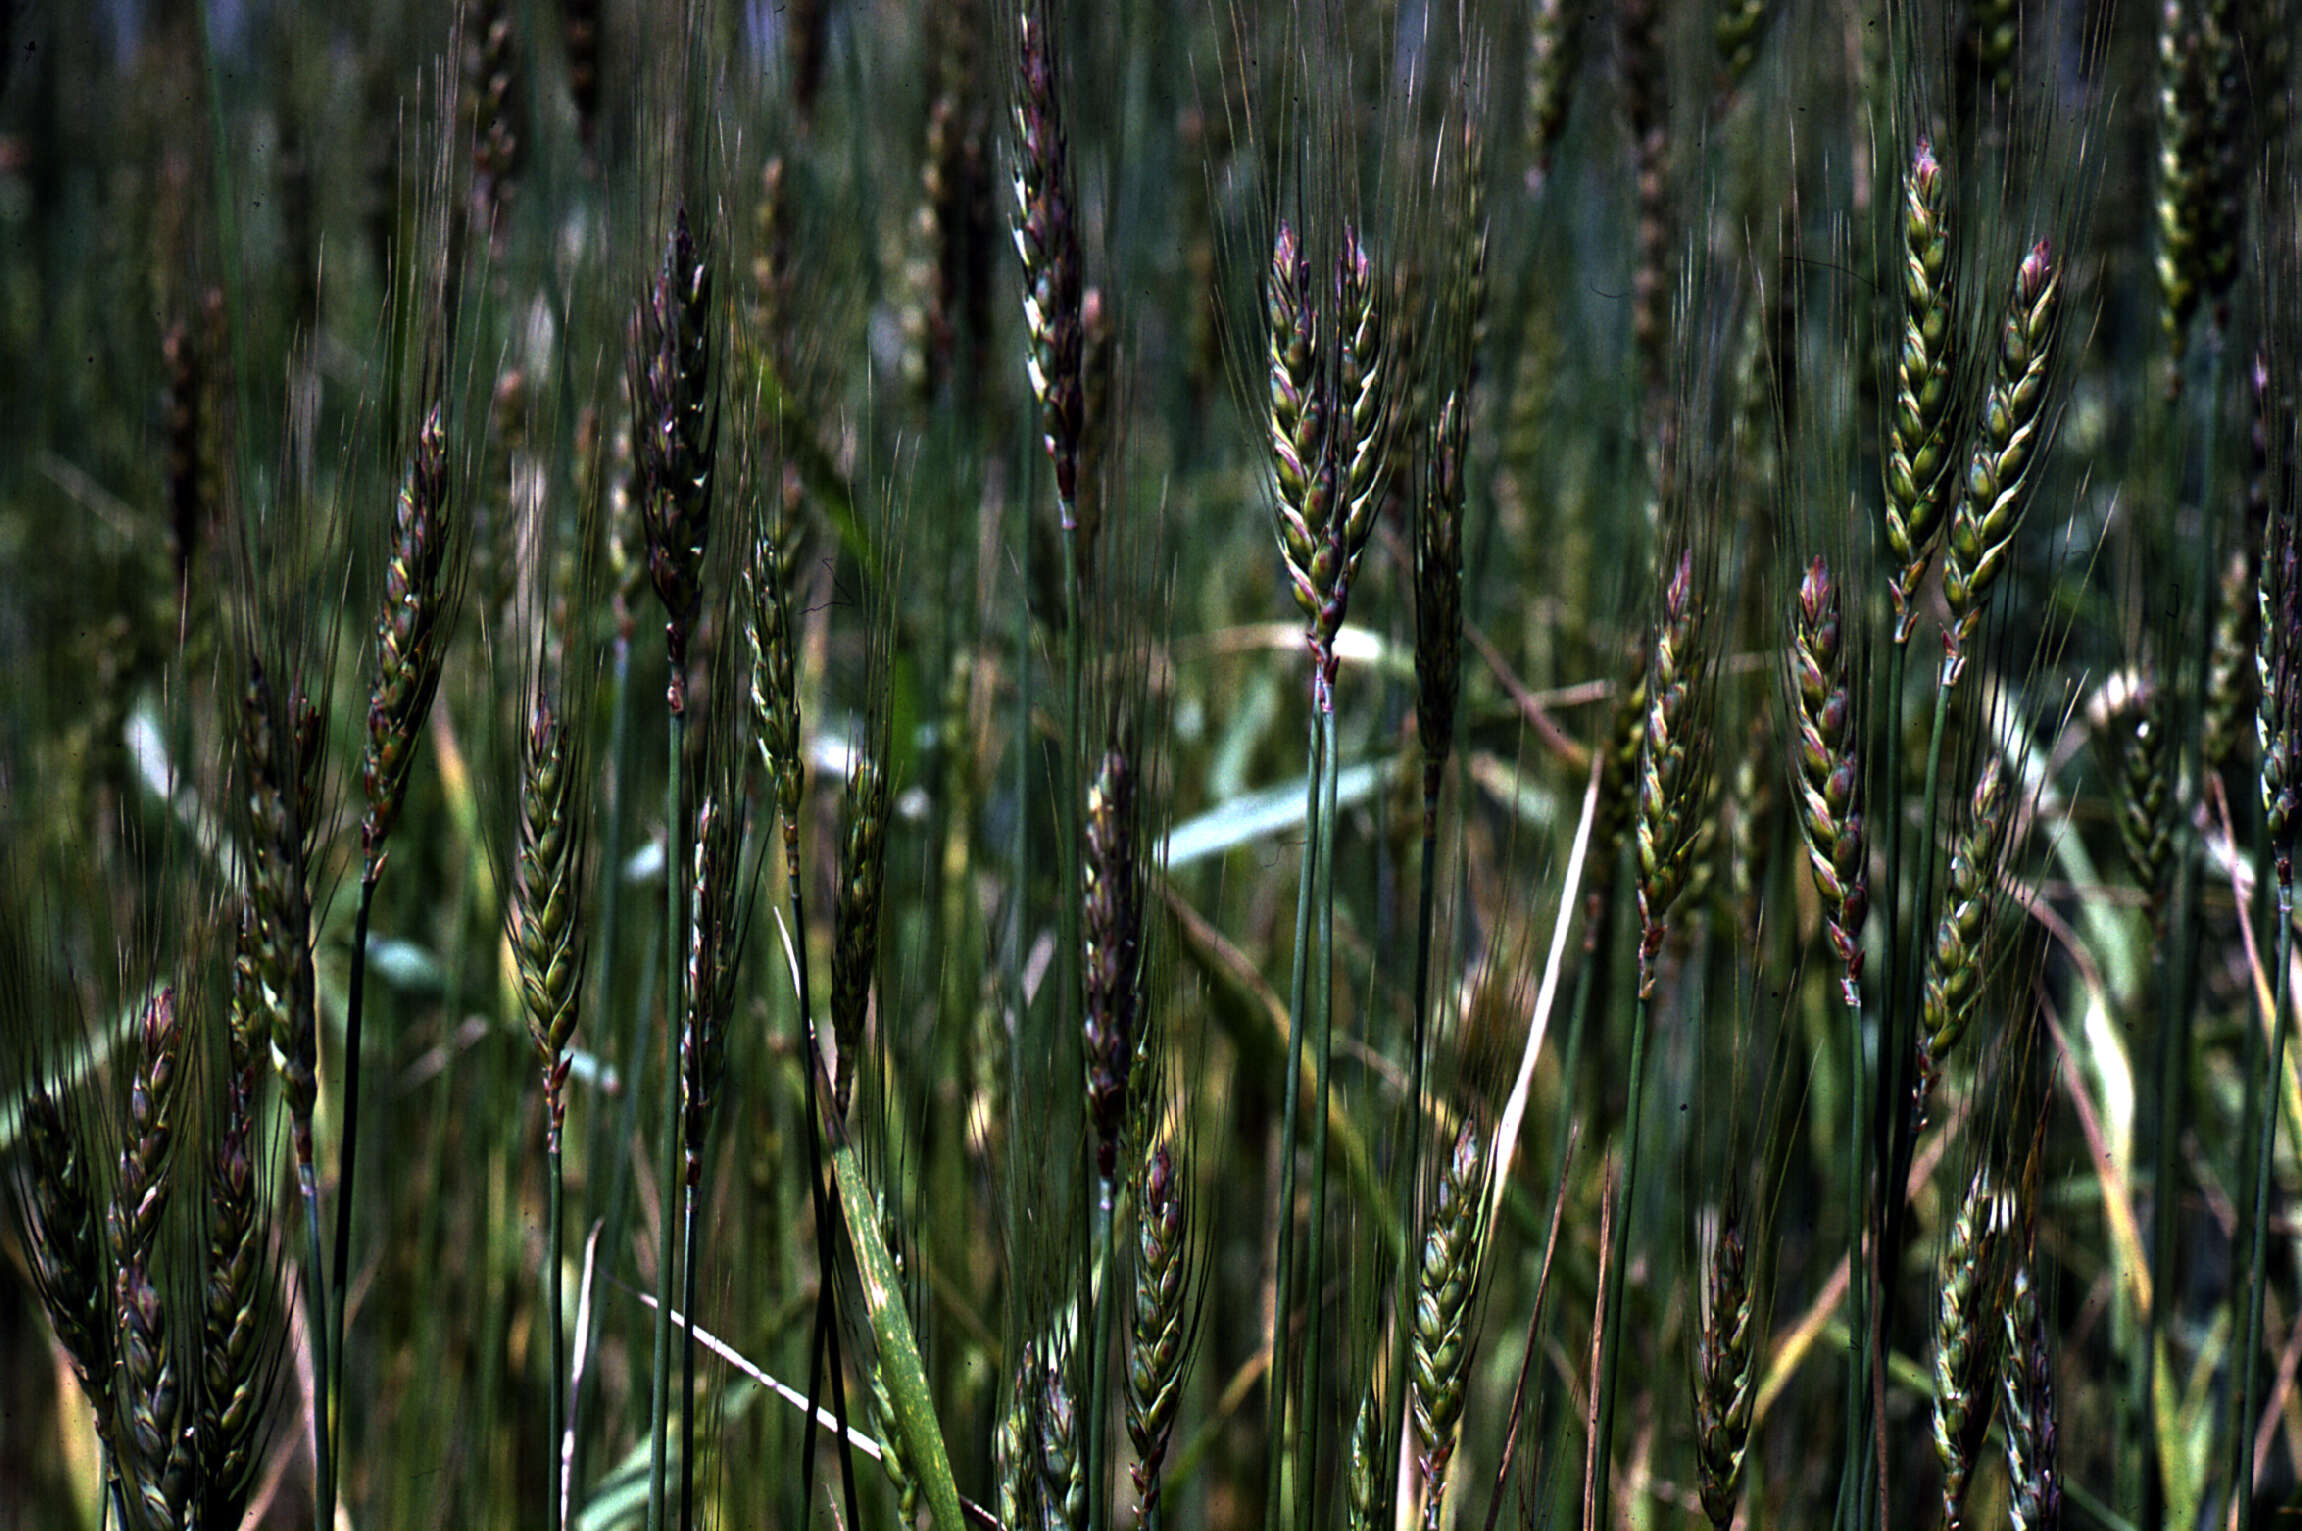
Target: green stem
point(2185, 927)
point(2266, 1083)
point(2170, 1059)
point(1323, 1018)
point(1105, 1243)
point(659, 1377)
point(1610, 1351)
point(1597, 957)
point(824, 1344)
point(600, 1150)
point(553, 1311)
point(1275, 1378)
point(1395, 1420)
point(1893, 1125)
point(1069, 1005)
point(316, 1324)
point(342, 1248)
point(1853, 1469)
point(687, 1249)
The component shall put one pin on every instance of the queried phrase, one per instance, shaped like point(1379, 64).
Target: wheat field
point(1176, 763)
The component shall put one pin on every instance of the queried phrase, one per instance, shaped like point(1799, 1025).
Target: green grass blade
point(898, 1350)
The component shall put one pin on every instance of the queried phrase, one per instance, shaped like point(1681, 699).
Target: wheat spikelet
point(2144, 802)
point(2026, 1387)
point(678, 435)
point(145, 1179)
point(547, 908)
point(280, 745)
point(65, 1248)
point(411, 635)
point(1639, 50)
point(1062, 1462)
point(1829, 771)
point(1113, 937)
point(2180, 193)
point(1441, 1352)
point(1159, 1336)
point(1014, 1464)
point(156, 1460)
point(1674, 760)
point(773, 645)
point(1954, 964)
point(1918, 451)
point(715, 939)
point(928, 311)
point(1554, 60)
point(2278, 673)
point(1966, 1339)
point(1726, 1387)
point(239, 1343)
point(491, 89)
point(2012, 428)
point(855, 918)
point(1439, 599)
point(1363, 413)
point(1047, 241)
point(1299, 412)
point(2230, 682)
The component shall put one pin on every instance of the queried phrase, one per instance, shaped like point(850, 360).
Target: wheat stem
point(635, 1052)
point(1275, 1383)
point(1323, 1019)
point(2242, 1482)
point(659, 1374)
point(1611, 1302)
point(346, 1155)
point(690, 1194)
point(1410, 1200)
point(1896, 1124)
point(559, 1355)
point(316, 1324)
point(1070, 999)
point(825, 1343)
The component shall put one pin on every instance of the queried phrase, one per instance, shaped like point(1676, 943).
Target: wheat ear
point(2144, 804)
point(1966, 1340)
point(2012, 428)
point(2026, 1390)
point(1674, 761)
point(1159, 1340)
point(679, 437)
point(152, 1397)
point(1726, 1385)
point(1047, 240)
point(1444, 1301)
point(1954, 963)
point(240, 1343)
point(1919, 448)
point(1830, 771)
point(1113, 940)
